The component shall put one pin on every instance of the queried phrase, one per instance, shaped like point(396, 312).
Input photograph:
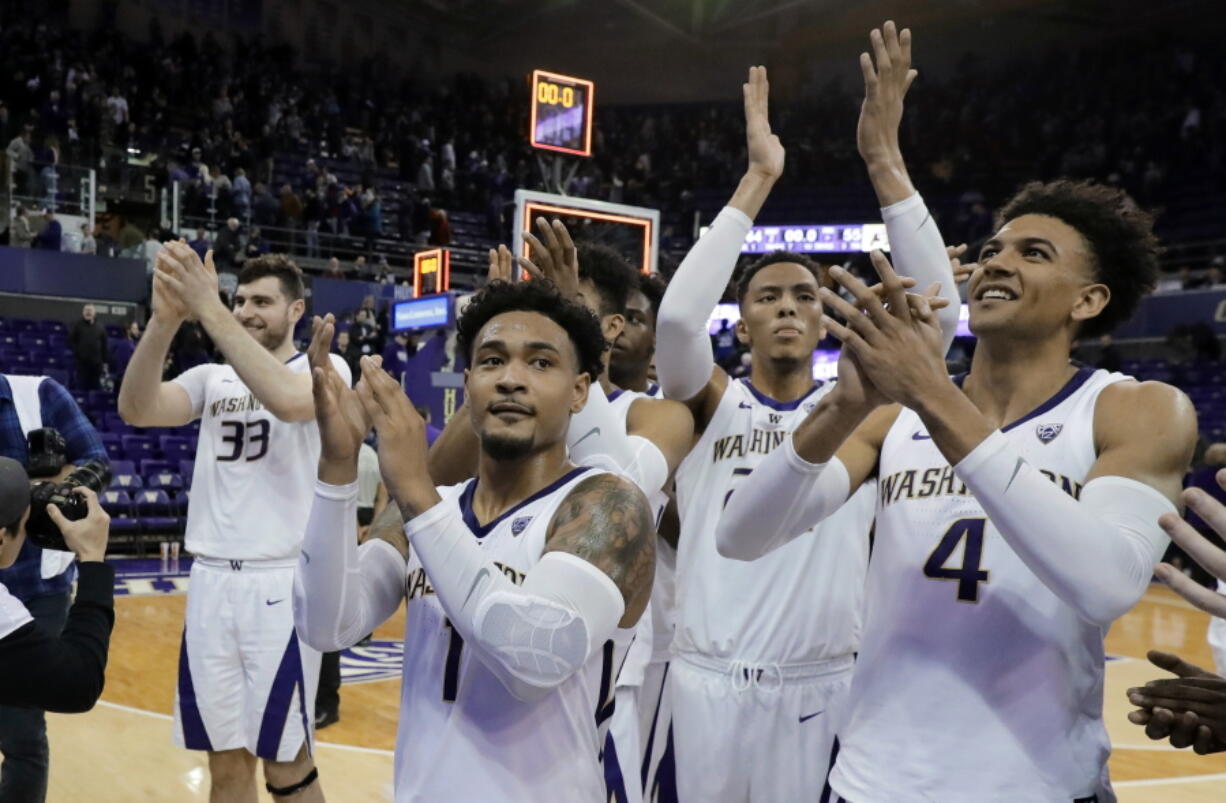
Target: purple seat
point(137, 447)
point(114, 449)
point(118, 504)
point(157, 512)
point(181, 499)
point(126, 482)
point(167, 481)
point(152, 466)
point(101, 398)
point(23, 325)
point(175, 447)
point(28, 340)
point(50, 326)
point(186, 469)
point(58, 374)
point(57, 341)
point(123, 467)
point(113, 422)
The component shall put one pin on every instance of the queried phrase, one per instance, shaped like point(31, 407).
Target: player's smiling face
point(523, 384)
point(1035, 277)
point(781, 316)
point(264, 311)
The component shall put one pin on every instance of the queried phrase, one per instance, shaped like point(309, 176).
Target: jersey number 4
point(968, 575)
point(250, 438)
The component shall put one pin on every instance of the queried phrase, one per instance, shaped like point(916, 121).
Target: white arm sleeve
point(684, 359)
point(342, 591)
point(531, 637)
point(918, 251)
point(783, 497)
point(597, 438)
point(1097, 554)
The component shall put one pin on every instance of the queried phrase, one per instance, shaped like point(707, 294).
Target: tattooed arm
point(606, 521)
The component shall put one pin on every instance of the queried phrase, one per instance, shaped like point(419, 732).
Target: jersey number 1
point(968, 575)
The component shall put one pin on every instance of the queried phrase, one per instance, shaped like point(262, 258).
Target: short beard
point(270, 338)
point(502, 448)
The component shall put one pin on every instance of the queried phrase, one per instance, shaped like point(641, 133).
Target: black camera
point(47, 458)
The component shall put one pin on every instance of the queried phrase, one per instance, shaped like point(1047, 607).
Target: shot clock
point(561, 113)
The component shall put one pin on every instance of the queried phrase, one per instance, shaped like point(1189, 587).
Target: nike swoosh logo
point(476, 580)
point(921, 437)
point(306, 556)
point(1020, 462)
point(273, 601)
point(745, 406)
point(590, 432)
point(810, 716)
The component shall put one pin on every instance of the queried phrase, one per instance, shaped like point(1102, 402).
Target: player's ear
point(297, 309)
point(583, 381)
point(742, 331)
point(1091, 301)
point(613, 326)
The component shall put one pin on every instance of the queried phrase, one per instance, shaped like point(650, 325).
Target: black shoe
point(325, 718)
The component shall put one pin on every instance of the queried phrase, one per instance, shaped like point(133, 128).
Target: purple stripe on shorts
point(195, 737)
point(276, 712)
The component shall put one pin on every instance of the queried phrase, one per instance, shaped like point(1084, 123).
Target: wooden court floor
point(121, 751)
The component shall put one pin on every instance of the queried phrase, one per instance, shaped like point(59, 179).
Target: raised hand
point(885, 87)
point(1189, 710)
point(962, 273)
point(343, 423)
point(766, 153)
point(554, 257)
point(166, 303)
point(897, 342)
point(1199, 549)
point(500, 269)
point(402, 440)
point(193, 282)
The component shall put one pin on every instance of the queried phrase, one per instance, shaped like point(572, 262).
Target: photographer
point(38, 668)
point(40, 579)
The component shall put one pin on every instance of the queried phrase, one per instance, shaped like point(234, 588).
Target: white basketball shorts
point(245, 680)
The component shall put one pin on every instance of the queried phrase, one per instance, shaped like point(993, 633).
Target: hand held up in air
point(193, 282)
point(402, 439)
point(342, 420)
point(893, 335)
point(885, 88)
point(554, 257)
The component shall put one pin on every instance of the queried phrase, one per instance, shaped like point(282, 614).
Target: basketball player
point(518, 581)
point(246, 685)
point(763, 652)
point(623, 431)
point(1018, 510)
point(634, 350)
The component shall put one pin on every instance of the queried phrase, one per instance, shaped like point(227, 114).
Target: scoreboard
point(856, 237)
point(431, 272)
point(561, 113)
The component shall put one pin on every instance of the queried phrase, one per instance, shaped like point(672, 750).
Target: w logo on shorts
point(520, 524)
point(1048, 432)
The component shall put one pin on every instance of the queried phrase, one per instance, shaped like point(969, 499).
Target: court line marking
point(374, 751)
point(1182, 779)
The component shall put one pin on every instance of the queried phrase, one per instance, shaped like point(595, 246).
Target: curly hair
point(278, 265)
point(1123, 248)
point(541, 297)
point(652, 286)
point(609, 271)
point(774, 258)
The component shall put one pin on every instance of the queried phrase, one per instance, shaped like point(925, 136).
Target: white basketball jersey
point(254, 476)
point(975, 682)
point(799, 604)
point(462, 735)
point(654, 635)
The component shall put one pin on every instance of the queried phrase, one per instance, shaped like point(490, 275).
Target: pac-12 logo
point(374, 660)
point(1048, 432)
point(520, 524)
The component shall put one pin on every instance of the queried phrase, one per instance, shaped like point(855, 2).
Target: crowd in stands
point(1151, 118)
